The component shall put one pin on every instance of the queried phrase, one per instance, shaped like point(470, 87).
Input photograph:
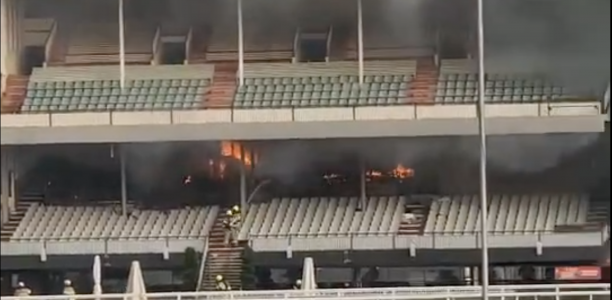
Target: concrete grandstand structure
point(213, 91)
point(260, 88)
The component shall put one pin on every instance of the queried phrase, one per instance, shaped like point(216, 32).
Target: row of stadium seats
point(508, 214)
point(308, 217)
point(272, 85)
point(96, 222)
point(457, 83)
point(324, 217)
point(99, 88)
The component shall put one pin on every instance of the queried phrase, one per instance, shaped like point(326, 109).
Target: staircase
point(598, 212)
point(221, 259)
point(8, 228)
point(14, 95)
point(423, 86)
point(414, 226)
point(223, 88)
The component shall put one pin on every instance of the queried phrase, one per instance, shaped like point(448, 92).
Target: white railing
point(513, 292)
point(296, 45)
point(296, 114)
point(50, 43)
point(188, 45)
point(330, 36)
point(202, 266)
point(155, 47)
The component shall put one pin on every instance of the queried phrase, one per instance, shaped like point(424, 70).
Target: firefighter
point(228, 227)
point(68, 289)
point(22, 290)
point(235, 220)
point(222, 284)
point(298, 284)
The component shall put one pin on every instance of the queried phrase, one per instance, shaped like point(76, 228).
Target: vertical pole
point(4, 177)
point(3, 37)
point(122, 159)
point(121, 46)
point(360, 39)
point(243, 185)
point(240, 45)
point(483, 155)
point(362, 185)
point(606, 105)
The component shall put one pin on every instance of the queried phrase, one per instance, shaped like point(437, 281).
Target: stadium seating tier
point(106, 222)
point(508, 214)
point(324, 217)
point(458, 83)
point(98, 88)
point(333, 84)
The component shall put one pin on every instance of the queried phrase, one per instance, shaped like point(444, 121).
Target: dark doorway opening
point(33, 57)
point(173, 53)
point(313, 50)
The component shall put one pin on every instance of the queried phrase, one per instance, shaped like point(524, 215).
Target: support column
point(240, 45)
point(4, 178)
point(7, 173)
point(122, 163)
point(243, 185)
point(362, 185)
point(360, 39)
point(11, 19)
point(121, 45)
point(3, 36)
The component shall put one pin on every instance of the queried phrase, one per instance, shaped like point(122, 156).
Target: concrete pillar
point(7, 181)
point(11, 32)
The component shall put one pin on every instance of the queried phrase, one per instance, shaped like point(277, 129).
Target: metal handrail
point(398, 293)
point(202, 266)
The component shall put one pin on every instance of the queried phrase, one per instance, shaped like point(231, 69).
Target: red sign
point(578, 273)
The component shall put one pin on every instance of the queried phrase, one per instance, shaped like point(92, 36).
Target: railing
point(202, 266)
point(102, 245)
point(353, 241)
point(513, 292)
point(188, 45)
point(155, 47)
point(298, 114)
point(330, 36)
point(50, 43)
point(600, 228)
point(296, 45)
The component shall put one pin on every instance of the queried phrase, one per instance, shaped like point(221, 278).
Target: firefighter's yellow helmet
point(219, 277)
point(229, 212)
point(236, 208)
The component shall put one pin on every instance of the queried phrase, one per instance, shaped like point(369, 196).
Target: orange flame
point(402, 172)
point(399, 172)
point(237, 151)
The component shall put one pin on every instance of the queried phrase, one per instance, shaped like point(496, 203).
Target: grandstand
point(184, 65)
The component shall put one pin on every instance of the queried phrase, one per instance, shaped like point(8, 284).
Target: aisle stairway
point(414, 226)
point(12, 99)
point(222, 259)
point(422, 88)
point(8, 228)
point(223, 88)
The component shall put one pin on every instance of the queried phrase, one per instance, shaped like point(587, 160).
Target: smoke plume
point(567, 41)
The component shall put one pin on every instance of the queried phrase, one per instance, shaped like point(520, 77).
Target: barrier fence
point(562, 291)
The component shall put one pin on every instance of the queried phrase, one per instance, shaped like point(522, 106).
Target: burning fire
point(237, 151)
point(399, 172)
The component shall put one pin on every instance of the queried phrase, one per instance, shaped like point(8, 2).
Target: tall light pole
point(483, 156)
